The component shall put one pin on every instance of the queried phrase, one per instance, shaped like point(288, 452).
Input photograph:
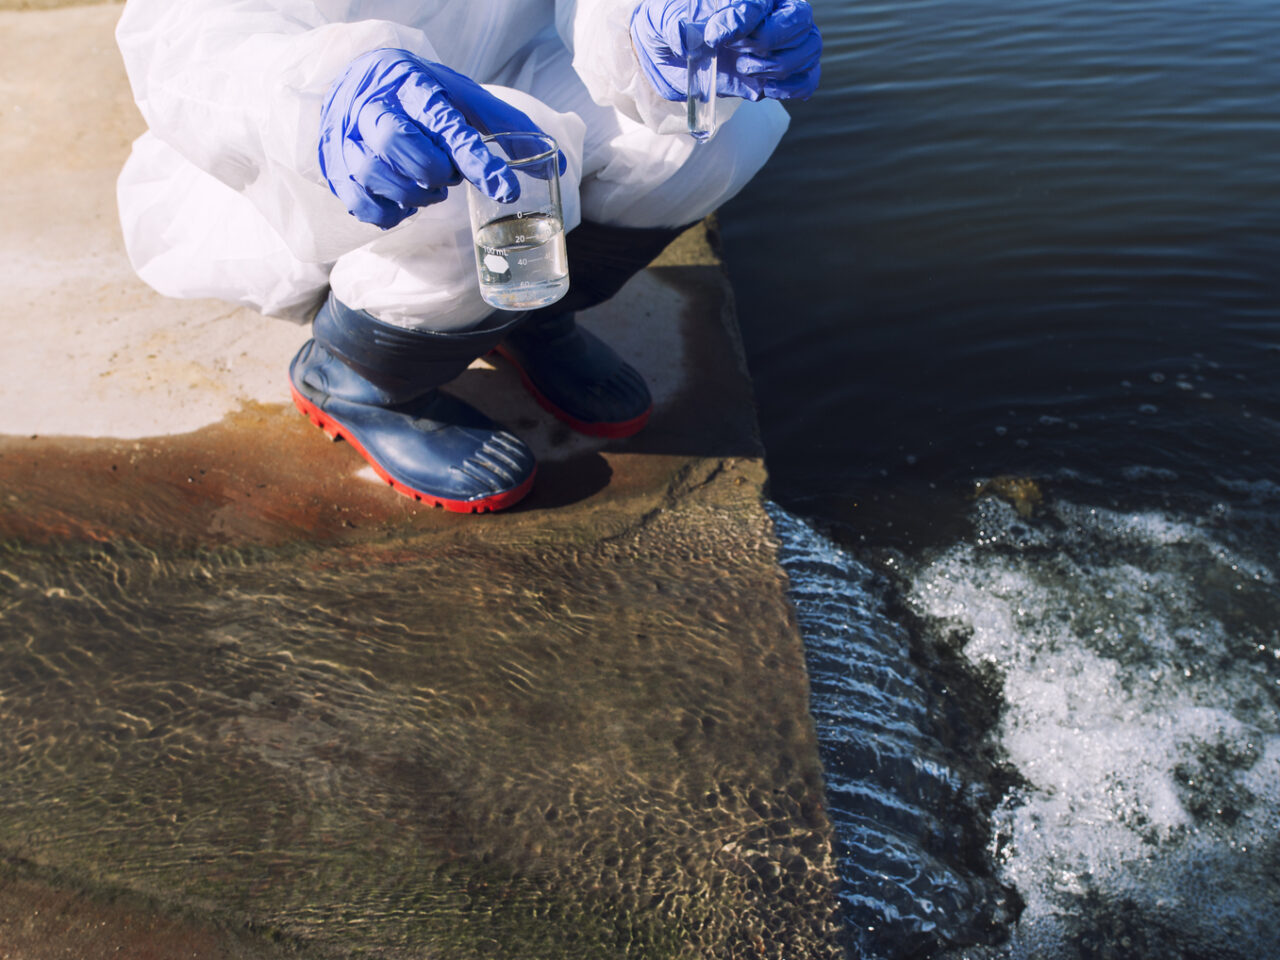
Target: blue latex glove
point(397, 131)
point(767, 48)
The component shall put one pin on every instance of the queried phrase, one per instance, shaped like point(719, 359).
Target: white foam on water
point(1140, 706)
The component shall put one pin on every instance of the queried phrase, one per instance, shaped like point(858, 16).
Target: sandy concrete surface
point(91, 350)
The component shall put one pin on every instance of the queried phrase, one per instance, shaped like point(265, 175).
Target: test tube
point(702, 72)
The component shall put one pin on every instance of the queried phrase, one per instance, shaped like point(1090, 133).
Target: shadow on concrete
point(562, 483)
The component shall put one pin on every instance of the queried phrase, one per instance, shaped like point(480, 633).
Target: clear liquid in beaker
point(522, 261)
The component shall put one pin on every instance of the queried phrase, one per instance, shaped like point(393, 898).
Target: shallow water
point(424, 746)
point(1035, 241)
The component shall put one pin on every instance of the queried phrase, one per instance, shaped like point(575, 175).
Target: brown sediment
point(42, 920)
point(1021, 493)
point(262, 476)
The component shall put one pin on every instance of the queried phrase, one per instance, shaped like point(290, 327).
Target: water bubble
point(1157, 377)
point(1001, 430)
point(1148, 409)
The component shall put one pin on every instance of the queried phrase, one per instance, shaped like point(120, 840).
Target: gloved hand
point(767, 48)
point(397, 131)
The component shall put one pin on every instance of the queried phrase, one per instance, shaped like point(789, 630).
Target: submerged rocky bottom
point(549, 748)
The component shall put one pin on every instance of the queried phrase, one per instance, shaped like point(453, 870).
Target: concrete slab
point(252, 704)
point(91, 351)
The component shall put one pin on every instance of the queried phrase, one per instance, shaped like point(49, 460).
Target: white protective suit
point(224, 197)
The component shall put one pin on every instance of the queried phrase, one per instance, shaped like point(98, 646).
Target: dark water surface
point(1020, 237)
point(1038, 240)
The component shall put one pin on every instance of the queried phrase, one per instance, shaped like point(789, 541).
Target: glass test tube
point(702, 72)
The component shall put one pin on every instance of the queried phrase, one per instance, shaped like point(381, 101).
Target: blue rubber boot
point(569, 370)
point(579, 378)
point(374, 385)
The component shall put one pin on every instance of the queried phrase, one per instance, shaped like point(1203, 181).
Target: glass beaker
point(520, 251)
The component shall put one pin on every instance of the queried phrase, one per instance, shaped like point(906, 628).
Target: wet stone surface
point(585, 751)
point(283, 699)
point(255, 705)
point(242, 681)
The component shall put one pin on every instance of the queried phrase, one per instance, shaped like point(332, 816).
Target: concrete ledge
point(261, 474)
point(253, 704)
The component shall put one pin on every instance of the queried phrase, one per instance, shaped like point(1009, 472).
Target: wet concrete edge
point(266, 452)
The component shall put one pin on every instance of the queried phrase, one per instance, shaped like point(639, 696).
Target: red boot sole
point(335, 431)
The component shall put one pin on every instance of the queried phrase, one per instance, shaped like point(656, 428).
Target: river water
point(1036, 241)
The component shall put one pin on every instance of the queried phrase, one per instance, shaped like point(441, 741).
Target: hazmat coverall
point(224, 196)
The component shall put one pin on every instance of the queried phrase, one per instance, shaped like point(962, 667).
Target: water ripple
point(907, 818)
